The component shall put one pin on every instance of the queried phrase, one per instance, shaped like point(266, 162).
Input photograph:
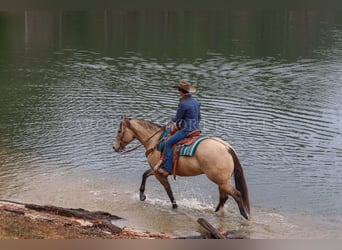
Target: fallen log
point(211, 229)
point(107, 225)
point(14, 211)
point(71, 212)
point(99, 219)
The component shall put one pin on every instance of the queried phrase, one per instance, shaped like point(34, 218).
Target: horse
point(213, 157)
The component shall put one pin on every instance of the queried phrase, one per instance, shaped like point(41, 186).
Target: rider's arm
point(180, 113)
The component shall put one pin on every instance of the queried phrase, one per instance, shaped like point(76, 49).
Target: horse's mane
point(150, 124)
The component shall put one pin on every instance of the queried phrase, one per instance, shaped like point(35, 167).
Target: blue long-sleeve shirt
point(188, 114)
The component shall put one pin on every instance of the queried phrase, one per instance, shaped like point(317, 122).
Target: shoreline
point(23, 221)
point(30, 221)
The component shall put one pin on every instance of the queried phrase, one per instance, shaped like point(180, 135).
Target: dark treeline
point(166, 33)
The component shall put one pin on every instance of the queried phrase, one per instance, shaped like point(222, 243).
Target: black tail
point(240, 182)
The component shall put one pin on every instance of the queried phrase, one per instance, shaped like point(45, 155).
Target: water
point(269, 84)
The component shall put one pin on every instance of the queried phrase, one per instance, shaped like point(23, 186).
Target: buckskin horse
point(213, 157)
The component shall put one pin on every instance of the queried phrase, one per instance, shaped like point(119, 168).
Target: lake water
point(269, 83)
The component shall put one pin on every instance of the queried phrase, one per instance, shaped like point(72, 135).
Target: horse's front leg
point(146, 174)
point(165, 182)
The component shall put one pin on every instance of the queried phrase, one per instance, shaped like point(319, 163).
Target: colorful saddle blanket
point(185, 149)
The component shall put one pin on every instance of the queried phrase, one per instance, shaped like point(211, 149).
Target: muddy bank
point(30, 221)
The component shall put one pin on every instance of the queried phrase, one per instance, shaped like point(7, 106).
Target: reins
point(142, 144)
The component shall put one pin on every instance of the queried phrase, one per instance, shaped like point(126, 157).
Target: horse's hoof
point(244, 214)
point(142, 197)
point(174, 205)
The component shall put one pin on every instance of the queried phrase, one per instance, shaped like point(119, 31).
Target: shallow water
point(279, 104)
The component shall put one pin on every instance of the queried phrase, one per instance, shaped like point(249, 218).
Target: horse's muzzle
point(117, 149)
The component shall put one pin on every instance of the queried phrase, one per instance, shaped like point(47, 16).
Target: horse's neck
point(143, 132)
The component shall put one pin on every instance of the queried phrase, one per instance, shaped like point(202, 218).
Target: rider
point(187, 119)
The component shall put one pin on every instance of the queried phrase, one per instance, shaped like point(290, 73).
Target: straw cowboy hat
point(185, 85)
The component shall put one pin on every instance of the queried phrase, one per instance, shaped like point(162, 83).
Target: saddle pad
point(161, 143)
point(185, 150)
point(190, 149)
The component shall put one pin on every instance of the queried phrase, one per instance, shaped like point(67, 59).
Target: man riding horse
point(213, 157)
point(187, 119)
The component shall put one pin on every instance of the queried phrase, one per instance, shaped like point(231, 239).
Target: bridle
point(143, 143)
point(121, 140)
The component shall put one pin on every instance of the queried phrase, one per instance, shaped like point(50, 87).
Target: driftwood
point(71, 212)
point(14, 211)
point(99, 219)
point(212, 230)
point(213, 233)
point(107, 225)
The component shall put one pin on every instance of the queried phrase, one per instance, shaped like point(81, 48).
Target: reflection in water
point(170, 34)
point(269, 83)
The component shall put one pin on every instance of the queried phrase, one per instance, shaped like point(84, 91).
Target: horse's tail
point(240, 182)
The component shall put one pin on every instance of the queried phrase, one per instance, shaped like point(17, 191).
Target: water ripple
point(281, 117)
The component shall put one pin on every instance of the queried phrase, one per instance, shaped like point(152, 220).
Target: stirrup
point(155, 168)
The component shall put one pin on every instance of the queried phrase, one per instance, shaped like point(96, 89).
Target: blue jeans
point(176, 137)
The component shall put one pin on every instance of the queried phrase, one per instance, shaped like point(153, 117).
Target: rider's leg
point(179, 135)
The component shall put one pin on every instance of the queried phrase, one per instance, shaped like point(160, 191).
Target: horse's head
point(124, 136)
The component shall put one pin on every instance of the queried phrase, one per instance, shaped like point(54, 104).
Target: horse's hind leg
point(146, 174)
point(223, 199)
point(238, 198)
point(226, 190)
